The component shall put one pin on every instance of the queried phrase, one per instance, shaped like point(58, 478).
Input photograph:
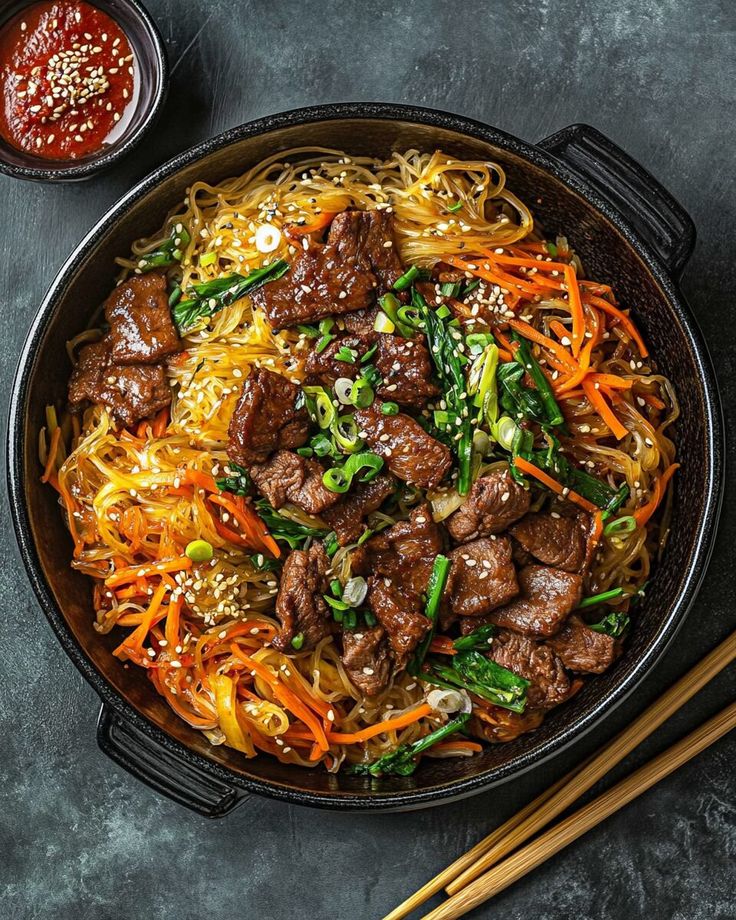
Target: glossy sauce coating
point(68, 75)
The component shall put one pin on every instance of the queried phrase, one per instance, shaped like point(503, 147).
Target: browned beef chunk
point(482, 577)
point(266, 418)
point(406, 369)
point(404, 553)
point(398, 610)
point(347, 517)
point(554, 539)
point(130, 393)
point(410, 453)
point(370, 234)
point(287, 477)
point(495, 502)
point(499, 725)
point(366, 658)
point(358, 261)
point(583, 649)
point(141, 329)
point(361, 322)
point(299, 605)
point(537, 663)
point(547, 597)
point(323, 367)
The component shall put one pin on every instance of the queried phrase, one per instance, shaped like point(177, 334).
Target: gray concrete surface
point(81, 839)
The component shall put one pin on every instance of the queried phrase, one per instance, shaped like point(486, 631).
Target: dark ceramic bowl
point(628, 231)
point(152, 76)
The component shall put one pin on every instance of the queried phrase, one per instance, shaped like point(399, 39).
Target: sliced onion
point(355, 591)
point(268, 238)
point(449, 701)
point(343, 387)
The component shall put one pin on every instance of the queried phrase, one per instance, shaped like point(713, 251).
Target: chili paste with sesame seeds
point(68, 79)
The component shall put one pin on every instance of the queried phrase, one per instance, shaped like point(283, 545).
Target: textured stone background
point(81, 839)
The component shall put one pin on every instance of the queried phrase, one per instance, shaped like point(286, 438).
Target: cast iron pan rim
point(104, 161)
point(451, 789)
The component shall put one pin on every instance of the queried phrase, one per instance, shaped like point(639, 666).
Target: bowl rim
point(449, 789)
point(105, 158)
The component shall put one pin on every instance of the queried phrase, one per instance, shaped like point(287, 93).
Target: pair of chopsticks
point(483, 871)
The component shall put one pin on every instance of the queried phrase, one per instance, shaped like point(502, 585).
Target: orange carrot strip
point(131, 573)
point(250, 522)
point(53, 450)
point(442, 645)
point(596, 399)
point(652, 400)
point(611, 381)
point(285, 696)
point(529, 332)
point(559, 330)
point(388, 726)
point(625, 321)
point(481, 273)
point(642, 515)
point(160, 423)
point(318, 223)
point(576, 309)
point(171, 630)
point(203, 480)
point(531, 470)
point(134, 641)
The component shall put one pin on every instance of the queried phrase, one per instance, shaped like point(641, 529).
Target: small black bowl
point(152, 74)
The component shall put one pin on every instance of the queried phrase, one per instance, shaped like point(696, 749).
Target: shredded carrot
point(595, 398)
point(250, 522)
point(160, 423)
point(622, 318)
point(531, 470)
point(132, 645)
point(131, 573)
point(51, 459)
point(319, 223)
point(203, 480)
point(173, 615)
point(611, 381)
point(442, 645)
point(285, 696)
point(459, 745)
point(389, 725)
point(576, 310)
point(642, 515)
point(597, 531)
point(529, 332)
point(653, 401)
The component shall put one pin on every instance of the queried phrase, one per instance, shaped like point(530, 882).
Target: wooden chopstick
point(514, 832)
point(558, 837)
point(468, 859)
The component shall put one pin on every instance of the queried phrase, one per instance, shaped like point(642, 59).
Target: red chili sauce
point(67, 80)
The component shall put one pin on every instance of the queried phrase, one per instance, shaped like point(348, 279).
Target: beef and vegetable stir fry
point(363, 464)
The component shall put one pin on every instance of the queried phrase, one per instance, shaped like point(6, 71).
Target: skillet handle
point(162, 770)
point(647, 206)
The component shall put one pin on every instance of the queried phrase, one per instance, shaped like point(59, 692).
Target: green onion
point(390, 306)
point(336, 603)
point(504, 431)
point(348, 355)
point(338, 479)
point(479, 638)
point(323, 343)
point(238, 483)
point(473, 672)
point(622, 525)
point(298, 641)
point(482, 385)
point(382, 323)
point(409, 316)
point(323, 446)
point(305, 451)
point(336, 587)
point(600, 598)
point(524, 357)
point(345, 434)
point(361, 393)
point(210, 297)
point(311, 332)
point(403, 760)
point(390, 408)
point(262, 563)
point(452, 208)
point(435, 590)
point(552, 250)
point(319, 406)
point(330, 544)
point(369, 617)
point(369, 354)
point(175, 295)
point(168, 253)
point(407, 279)
point(208, 258)
point(350, 618)
point(451, 289)
point(286, 531)
point(199, 551)
point(614, 624)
